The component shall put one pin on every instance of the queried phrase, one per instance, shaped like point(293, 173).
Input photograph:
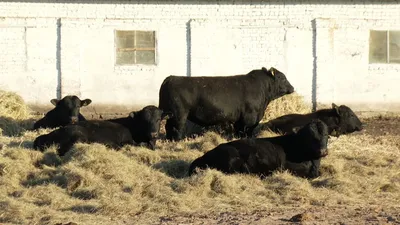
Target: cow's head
point(68, 109)
point(348, 120)
point(148, 122)
point(282, 84)
point(314, 141)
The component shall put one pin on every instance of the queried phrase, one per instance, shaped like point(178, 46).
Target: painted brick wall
point(13, 49)
point(71, 45)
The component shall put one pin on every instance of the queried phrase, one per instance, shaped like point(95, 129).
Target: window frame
point(155, 49)
point(387, 33)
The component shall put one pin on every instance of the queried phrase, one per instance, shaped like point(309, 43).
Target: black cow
point(262, 156)
point(339, 119)
point(240, 100)
point(66, 111)
point(139, 127)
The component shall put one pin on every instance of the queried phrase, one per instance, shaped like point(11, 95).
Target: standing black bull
point(339, 119)
point(206, 101)
point(139, 127)
point(262, 156)
point(66, 111)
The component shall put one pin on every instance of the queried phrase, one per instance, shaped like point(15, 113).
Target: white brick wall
point(225, 39)
point(13, 49)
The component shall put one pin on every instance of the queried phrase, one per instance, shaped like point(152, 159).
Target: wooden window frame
point(135, 49)
point(387, 32)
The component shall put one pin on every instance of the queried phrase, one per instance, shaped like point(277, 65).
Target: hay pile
point(14, 114)
point(93, 184)
point(13, 106)
point(292, 103)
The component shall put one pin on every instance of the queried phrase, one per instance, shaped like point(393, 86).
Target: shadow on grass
point(173, 168)
point(84, 209)
point(193, 130)
point(58, 176)
point(21, 144)
point(49, 159)
point(11, 127)
point(83, 194)
point(57, 179)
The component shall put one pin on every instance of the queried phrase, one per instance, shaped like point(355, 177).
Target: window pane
point(377, 47)
point(124, 58)
point(145, 39)
point(125, 39)
point(145, 57)
point(394, 47)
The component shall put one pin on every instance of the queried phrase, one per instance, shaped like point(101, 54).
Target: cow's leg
point(169, 126)
point(67, 143)
point(250, 130)
point(245, 126)
point(239, 129)
point(175, 127)
point(152, 144)
point(64, 148)
point(314, 170)
point(42, 142)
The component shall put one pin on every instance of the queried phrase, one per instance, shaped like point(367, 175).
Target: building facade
point(117, 53)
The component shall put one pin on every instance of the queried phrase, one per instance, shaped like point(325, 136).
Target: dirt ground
point(382, 125)
point(291, 215)
point(377, 126)
point(316, 215)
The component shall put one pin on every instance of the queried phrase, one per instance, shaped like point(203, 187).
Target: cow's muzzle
point(362, 127)
point(154, 134)
point(290, 90)
point(73, 119)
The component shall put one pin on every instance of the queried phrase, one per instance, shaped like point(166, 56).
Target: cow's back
point(210, 100)
point(257, 156)
point(285, 124)
point(191, 90)
point(100, 131)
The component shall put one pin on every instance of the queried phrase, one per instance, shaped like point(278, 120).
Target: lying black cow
point(66, 111)
point(240, 100)
point(262, 156)
point(339, 119)
point(139, 127)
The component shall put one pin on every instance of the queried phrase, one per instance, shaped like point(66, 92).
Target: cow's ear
point(132, 114)
point(86, 102)
point(54, 101)
point(264, 69)
point(335, 107)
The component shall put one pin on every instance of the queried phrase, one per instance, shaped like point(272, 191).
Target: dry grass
point(93, 184)
point(292, 103)
point(14, 114)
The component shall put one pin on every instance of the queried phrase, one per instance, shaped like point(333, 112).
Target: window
point(135, 47)
point(384, 46)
